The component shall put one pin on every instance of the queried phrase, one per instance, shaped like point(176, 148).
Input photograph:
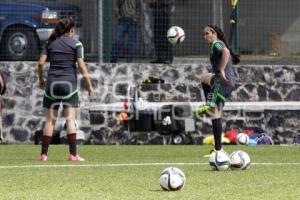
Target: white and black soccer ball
point(172, 179)
point(242, 139)
point(175, 35)
point(219, 161)
point(240, 160)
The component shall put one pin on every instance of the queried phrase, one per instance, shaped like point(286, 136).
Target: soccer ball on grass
point(242, 138)
point(240, 160)
point(172, 179)
point(219, 161)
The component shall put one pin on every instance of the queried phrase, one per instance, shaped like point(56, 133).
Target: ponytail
point(62, 27)
point(235, 57)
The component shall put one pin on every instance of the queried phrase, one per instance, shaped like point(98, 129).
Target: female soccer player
point(221, 82)
point(61, 87)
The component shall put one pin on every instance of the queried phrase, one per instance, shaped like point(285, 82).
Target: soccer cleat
point(75, 158)
point(212, 98)
point(43, 157)
point(211, 152)
point(202, 109)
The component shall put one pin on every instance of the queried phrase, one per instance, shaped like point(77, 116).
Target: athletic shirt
point(215, 60)
point(62, 54)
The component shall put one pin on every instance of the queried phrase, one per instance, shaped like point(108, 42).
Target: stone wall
point(23, 113)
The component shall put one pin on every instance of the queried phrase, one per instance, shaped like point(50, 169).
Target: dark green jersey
point(215, 60)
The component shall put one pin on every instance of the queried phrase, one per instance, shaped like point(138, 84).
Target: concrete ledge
point(264, 105)
point(252, 106)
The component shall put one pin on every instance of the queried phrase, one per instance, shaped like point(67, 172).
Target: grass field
point(132, 172)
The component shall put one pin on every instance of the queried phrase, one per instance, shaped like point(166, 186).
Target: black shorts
point(71, 100)
point(225, 89)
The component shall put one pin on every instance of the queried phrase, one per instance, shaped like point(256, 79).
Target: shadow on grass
point(157, 190)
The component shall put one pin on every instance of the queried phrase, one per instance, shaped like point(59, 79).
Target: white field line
point(124, 165)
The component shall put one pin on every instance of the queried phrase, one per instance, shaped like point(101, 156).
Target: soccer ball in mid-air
point(239, 160)
point(172, 179)
point(219, 160)
point(175, 35)
point(242, 138)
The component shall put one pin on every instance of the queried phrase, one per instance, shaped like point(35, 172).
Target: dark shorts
point(60, 92)
point(225, 89)
point(53, 103)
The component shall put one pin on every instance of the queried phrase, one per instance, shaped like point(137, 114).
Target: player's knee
point(215, 113)
point(205, 78)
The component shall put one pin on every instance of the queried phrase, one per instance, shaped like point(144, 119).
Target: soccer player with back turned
point(63, 53)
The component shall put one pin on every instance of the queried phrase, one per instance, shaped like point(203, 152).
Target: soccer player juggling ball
point(221, 82)
point(63, 52)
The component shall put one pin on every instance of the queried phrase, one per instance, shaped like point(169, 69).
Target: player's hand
point(223, 76)
point(91, 91)
point(42, 84)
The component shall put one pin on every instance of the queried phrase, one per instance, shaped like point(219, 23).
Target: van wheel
point(178, 139)
point(181, 138)
point(19, 43)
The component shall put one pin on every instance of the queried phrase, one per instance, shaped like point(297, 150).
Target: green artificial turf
point(132, 172)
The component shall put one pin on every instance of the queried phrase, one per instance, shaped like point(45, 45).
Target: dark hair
point(62, 27)
point(221, 36)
